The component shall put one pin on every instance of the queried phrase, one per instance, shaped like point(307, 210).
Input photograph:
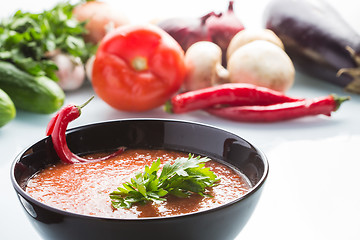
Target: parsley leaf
point(26, 38)
point(181, 178)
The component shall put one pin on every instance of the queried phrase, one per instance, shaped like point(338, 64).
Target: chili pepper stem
point(84, 104)
point(339, 100)
point(168, 107)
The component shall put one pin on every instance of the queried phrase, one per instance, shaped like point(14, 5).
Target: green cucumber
point(7, 109)
point(29, 93)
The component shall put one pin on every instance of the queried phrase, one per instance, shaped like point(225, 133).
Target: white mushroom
point(249, 35)
point(203, 63)
point(263, 64)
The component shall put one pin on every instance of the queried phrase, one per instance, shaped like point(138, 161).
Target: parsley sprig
point(181, 178)
point(26, 38)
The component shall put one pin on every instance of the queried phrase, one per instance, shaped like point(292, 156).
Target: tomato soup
point(85, 188)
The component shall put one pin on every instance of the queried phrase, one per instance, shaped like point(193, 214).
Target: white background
point(313, 187)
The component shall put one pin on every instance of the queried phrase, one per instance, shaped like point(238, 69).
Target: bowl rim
point(26, 196)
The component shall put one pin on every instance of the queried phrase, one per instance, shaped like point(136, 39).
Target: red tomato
point(138, 68)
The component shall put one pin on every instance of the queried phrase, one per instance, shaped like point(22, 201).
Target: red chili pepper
point(239, 94)
point(57, 128)
point(281, 111)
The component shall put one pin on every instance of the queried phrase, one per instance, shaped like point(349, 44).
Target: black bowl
point(224, 222)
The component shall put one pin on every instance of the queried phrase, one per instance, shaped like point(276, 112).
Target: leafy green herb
point(182, 178)
point(26, 38)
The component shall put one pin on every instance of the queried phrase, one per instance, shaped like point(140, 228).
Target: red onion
point(187, 31)
point(218, 28)
point(223, 27)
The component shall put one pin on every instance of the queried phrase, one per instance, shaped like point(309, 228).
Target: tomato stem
point(139, 64)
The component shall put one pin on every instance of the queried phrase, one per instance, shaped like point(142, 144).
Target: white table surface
point(312, 190)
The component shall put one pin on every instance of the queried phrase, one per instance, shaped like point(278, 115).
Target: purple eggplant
point(317, 39)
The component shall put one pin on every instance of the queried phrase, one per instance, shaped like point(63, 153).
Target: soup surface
point(85, 188)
